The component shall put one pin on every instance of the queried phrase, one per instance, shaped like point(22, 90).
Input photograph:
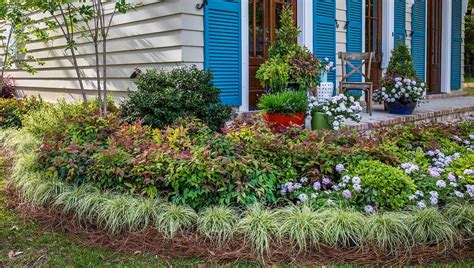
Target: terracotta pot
point(278, 122)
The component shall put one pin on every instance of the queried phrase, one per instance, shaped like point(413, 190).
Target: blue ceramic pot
point(400, 108)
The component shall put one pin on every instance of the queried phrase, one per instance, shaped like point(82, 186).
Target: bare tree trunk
point(97, 70)
point(104, 72)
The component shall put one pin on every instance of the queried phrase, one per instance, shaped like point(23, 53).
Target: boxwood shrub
point(164, 96)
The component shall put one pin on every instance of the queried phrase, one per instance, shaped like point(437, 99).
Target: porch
point(436, 108)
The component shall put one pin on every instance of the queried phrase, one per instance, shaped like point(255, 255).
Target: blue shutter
point(456, 45)
point(418, 24)
point(324, 32)
point(222, 48)
point(400, 22)
point(354, 34)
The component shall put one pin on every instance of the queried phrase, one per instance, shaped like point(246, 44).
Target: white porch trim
point(388, 29)
point(446, 47)
point(244, 107)
point(304, 20)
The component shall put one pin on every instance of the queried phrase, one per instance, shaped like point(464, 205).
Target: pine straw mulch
point(190, 245)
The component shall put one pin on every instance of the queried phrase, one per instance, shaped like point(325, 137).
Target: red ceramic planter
point(279, 122)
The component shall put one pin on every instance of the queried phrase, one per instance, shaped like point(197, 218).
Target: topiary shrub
point(401, 62)
point(163, 96)
point(384, 186)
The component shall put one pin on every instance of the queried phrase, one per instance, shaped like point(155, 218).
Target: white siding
point(160, 34)
point(408, 27)
point(341, 35)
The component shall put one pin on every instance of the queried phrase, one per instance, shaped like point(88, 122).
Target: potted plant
point(330, 113)
point(273, 75)
point(304, 69)
point(284, 109)
point(326, 66)
point(401, 91)
point(400, 95)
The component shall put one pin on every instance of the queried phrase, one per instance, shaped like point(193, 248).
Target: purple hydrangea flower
point(434, 194)
point(369, 209)
point(340, 168)
point(326, 181)
point(419, 193)
point(314, 195)
point(470, 190)
point(458, 194)
point(356, 180)
point(347, 194)
point(303, 197)
point(283, 192)
point(434, 173)
point(346, 179)
point(451, 177)
point(441, 183)
point(454, 184)
point(335, 187)
point(330, 202)
point(357, 187)
point(456, 138)
point(412, 197)
point(317, 186)
point(297, 186)
point(433, 200)
point(421, 204)
point(468, 172)
point(304, 180)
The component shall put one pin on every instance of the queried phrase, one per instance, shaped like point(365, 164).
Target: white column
point(305, 23)
point(245, 56)
point(446, 47)
point(388, 28)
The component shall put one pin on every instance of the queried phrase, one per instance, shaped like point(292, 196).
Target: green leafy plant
point(284, 44)
point(217, 223)
point(305, 69)
point(384, 186)
point(258, 226)
point(343, 229)
point(173, 218)
point(389, 231)
point(287, 102)
point(428, 226)
point(164, 96)
point(275, 73)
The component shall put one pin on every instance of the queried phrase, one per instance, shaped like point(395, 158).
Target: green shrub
point(460, 165)
point(163, 96)
point(287, 102)
point(9, 113)
point(384, 186)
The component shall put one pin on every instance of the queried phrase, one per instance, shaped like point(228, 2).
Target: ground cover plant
point(251, 185)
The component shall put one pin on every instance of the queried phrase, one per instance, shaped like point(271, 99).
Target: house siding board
point(354, 34)
point(418, 39)
point(222, 28)
point(324, 31)
point(400, 22)
point(456, 44)
point(160, 34)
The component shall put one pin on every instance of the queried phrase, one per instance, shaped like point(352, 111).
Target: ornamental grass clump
point(302, 226)
point(343, 229)
point(217, 224)
point(173, 218)
point(461, 216)
point(114, 213)
point(389, 231)
point(429, 227)
point(77, 201)
point(142, 212)
point(258, 227)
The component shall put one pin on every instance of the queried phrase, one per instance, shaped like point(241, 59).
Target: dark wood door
point(433, 64)
point(264, 19)
point(373, 41)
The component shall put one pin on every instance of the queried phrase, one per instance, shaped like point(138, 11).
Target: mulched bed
point(190, 244)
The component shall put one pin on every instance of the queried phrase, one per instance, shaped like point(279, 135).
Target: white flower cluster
point(401, 89)
point(409, 168)
point(337, 109)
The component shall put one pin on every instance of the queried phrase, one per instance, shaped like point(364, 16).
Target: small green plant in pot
point(330, 113)
point(284, 109)
point(274, 74)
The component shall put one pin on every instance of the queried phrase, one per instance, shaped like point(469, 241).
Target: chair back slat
point(365, 58)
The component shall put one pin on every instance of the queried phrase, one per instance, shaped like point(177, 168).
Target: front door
point(373, 41)
point(433, 64)
point(263, 21)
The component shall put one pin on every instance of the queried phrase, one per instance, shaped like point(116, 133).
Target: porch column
point(446, 47)
point(388, 29)
point(244, 107)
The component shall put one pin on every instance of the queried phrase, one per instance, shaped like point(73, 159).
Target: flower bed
point(390, 191)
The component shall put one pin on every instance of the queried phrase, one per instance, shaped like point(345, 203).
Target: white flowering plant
point(337, 109)
point(403, 90)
